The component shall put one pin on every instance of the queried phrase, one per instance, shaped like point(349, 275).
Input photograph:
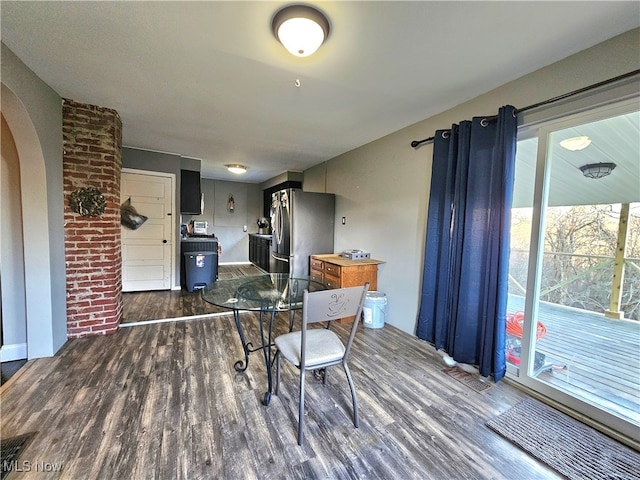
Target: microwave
point(200, 228)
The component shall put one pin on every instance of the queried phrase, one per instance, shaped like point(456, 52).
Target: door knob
point(164, 241)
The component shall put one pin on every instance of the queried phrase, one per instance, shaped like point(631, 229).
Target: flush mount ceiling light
point(597, 170)
point(301, 29)
point(236, 168)
point(576, 143)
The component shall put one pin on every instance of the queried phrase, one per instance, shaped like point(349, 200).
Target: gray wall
point(383, 187)
point(34, 115)
point(229, 226)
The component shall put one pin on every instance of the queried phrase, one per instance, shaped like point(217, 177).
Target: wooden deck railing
point(617, 289)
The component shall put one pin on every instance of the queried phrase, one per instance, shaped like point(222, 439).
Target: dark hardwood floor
point(157, 305)
point(162, 401)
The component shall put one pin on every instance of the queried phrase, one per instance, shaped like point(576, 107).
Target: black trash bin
point(200, 269)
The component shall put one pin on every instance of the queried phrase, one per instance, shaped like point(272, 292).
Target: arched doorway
point(12, 299)
point(37, 287)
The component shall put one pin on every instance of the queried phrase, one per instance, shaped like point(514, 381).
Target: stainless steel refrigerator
point(302, 224)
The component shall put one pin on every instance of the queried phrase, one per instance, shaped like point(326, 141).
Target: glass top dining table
point(271, 291)
point(266, 295)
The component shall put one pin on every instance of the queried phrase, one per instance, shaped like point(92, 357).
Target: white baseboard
point(16, 351)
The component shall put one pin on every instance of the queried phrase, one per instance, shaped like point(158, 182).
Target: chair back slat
point(327, 305)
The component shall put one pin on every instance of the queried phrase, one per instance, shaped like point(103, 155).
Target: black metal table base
point(267, 348)
point(241, 365)
point(265, 295)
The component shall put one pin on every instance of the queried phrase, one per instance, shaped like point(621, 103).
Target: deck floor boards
point(601, 355)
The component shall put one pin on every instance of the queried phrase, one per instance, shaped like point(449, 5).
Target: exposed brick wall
point(92, 140)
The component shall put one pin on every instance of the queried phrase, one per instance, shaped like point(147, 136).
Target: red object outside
point(514, 328)
point(515, 322)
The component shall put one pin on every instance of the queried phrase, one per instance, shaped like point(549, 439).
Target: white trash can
point(374, 309)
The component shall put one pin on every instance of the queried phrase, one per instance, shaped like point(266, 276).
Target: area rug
point(468, 379)
point(11, 448)
point(564, 444)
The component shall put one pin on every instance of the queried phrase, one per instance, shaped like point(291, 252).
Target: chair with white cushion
point(319, 348)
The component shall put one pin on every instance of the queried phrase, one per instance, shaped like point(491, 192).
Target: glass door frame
point(524, 374)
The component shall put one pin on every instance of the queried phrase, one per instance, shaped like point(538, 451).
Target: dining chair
point(320, 348)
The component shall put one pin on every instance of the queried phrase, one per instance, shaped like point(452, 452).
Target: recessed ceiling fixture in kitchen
point(301, 29)
point(236, 168)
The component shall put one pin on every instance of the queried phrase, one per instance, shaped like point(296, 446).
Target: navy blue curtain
point(464, 283)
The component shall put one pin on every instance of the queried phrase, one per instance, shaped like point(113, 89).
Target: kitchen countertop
point(199, 239)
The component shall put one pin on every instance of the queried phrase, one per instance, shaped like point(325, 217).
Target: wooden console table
point(336, 271)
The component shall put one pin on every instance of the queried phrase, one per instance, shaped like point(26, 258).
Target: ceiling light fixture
point(597, 170)
point(576, 143)
point(301, 29)
point(236, 168)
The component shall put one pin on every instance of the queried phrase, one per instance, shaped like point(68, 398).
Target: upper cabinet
point(190, 192)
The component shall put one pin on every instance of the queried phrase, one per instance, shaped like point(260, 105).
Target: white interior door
point(148, 250)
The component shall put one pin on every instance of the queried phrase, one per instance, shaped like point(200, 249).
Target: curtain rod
point(417, 143)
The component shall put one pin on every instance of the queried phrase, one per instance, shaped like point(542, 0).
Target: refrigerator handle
point(277, 230)
point(279, 257)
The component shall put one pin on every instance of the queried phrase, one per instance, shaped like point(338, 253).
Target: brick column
point(92, 142)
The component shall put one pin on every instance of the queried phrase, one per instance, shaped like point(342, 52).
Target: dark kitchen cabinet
point(260, 250)
point(190, 192)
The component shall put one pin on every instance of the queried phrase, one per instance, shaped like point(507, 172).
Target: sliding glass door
point(573, 325)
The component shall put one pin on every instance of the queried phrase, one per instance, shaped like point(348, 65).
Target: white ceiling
point(208, 80)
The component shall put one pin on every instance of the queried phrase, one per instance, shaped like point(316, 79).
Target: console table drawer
point(332, 281)
point(331, 269)
point(317, 275)
point(317, 264)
